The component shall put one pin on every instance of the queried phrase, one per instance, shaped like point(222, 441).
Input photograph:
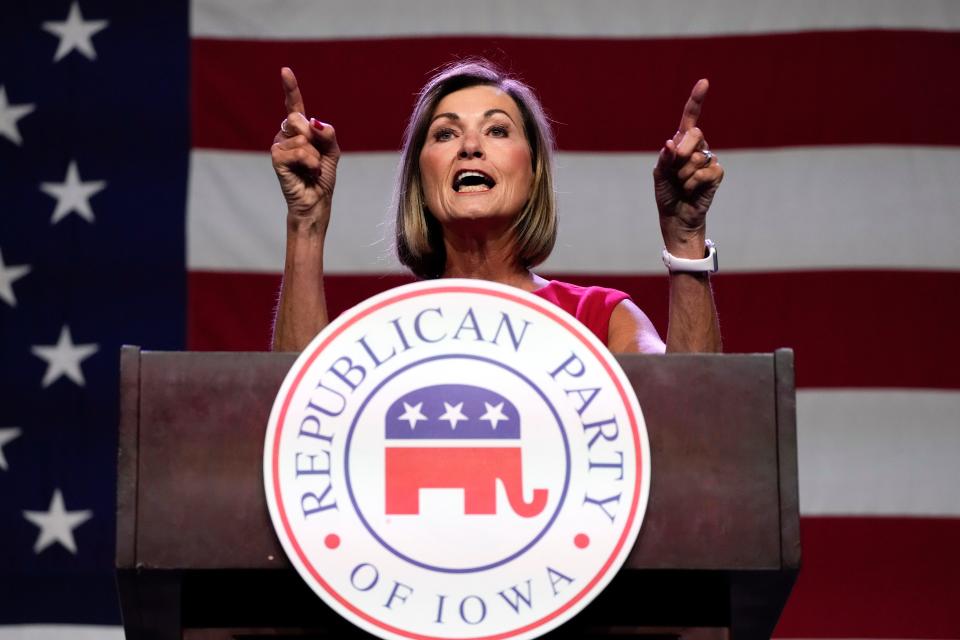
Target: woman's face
point(476, 162)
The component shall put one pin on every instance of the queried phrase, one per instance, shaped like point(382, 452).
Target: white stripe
point(797, 208)
point(309, 19)
point(235, 214)
point(60, 632)
point(879, 452)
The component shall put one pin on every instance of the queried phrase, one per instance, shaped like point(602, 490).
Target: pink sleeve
point(592, 306)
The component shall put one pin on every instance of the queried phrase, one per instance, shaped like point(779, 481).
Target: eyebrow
point(486, 114)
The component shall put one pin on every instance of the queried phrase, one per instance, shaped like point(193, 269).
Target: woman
point(475, 200)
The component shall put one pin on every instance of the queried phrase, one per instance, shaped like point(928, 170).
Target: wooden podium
point(197, 557)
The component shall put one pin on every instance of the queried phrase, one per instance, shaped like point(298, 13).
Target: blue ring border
point(422, 565)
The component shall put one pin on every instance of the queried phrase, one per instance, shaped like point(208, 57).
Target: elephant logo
point(426, 431)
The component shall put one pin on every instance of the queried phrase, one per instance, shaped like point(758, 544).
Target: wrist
point(692, 247)
point(313, 221)
point(683, 241)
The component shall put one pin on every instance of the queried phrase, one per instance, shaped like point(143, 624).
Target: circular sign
point(456, 459)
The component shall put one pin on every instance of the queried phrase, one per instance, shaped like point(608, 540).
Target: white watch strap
point(703, 265)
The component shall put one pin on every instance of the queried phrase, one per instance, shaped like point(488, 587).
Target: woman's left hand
point(685, 180)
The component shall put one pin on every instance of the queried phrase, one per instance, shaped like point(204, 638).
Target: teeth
point(459, 179)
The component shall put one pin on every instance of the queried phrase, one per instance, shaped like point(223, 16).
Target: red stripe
point(850, 87)
point(848, 328)
point(234, 311)
point(876, 578)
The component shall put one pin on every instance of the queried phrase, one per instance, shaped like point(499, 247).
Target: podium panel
point(197, 557)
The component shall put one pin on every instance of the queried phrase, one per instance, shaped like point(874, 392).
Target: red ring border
point(443, 290)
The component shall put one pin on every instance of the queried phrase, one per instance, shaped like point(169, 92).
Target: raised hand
point(305, 155)
point(686, 179)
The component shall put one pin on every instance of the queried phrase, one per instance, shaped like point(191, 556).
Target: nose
point(470, 147)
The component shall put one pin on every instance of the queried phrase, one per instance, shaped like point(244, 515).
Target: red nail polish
point(316, 124)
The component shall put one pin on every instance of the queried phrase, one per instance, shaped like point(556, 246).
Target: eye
point(442, 135)
point(498, 131)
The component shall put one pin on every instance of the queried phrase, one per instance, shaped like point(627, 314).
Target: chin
point(477, 214)
point(474, 206)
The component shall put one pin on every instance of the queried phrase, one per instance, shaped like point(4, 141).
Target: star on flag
point(72, 195)
point(57, 524)
point(9, 115)
point(9, 275)
point(64, 358)
point(75, 33)
point(6, 436)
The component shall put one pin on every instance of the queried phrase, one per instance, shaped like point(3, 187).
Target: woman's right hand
point(305, 155)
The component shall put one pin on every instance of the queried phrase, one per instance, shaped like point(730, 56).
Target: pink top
point(590, 305)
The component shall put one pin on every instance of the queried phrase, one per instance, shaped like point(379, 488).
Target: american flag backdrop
point(139, 206)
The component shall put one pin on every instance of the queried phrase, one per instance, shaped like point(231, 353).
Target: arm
point(305, 155)
point(685, 182)
point(693, 316)
point(693, 320)
point(302, 310)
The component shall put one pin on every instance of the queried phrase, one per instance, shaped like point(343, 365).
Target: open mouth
point(471, 181)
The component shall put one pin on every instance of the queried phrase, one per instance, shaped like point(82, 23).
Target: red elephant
point(473, 469)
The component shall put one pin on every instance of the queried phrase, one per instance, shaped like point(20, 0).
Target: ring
point(708, 155)
point(284, 130)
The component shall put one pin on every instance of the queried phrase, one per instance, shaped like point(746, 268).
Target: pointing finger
point(691, 111)
point(291, 91)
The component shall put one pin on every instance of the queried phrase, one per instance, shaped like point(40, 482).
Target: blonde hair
point(419, 238)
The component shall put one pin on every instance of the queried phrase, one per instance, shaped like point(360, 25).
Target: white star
point(63, 358)
point(453, 414)
point(6, 435)
point(9, 114)
point(412, 414)
point(75, 33)
point(494, 414)
point(73, 196)
point(9, 275)
point(57, 524)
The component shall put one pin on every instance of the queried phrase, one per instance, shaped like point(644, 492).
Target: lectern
point(197, 558)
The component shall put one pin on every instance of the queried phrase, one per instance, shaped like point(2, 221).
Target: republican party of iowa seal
point(456, 459)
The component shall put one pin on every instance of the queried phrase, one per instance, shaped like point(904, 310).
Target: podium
point(197, 558)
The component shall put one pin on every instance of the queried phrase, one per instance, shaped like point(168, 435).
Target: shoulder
point(609, 313)
point(631, 331)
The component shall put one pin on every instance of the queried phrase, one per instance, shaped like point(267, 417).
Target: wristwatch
point(707, 264)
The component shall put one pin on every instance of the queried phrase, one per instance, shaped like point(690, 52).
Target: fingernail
point(316, 124)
